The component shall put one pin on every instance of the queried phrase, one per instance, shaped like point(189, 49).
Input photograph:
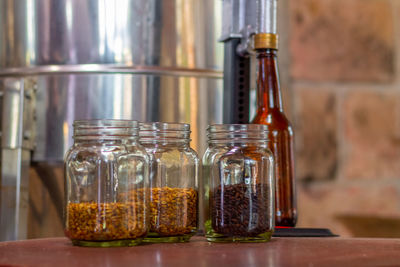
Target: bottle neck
point(268, 88)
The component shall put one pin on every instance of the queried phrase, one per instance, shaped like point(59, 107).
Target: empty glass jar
point(106, 184)
point(239, 184)
point(173, 181)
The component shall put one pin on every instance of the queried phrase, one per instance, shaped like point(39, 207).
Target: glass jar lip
point(164, 126)
point(234, 133)
point(164, 132)
point(105, 129)
point(106, 123)
point(222, 128)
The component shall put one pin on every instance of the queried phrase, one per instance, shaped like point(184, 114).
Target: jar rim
point(95, 123)
point(164, 126)
point(220, 128)
point(231, 133)
point(164, 132)
point(105, 128)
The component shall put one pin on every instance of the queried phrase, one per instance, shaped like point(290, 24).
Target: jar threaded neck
point(164, 132)
point(232, 133)
point(105, 129)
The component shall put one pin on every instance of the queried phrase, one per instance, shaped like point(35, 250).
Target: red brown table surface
point(279, 252)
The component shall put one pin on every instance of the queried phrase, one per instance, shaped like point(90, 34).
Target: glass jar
point(238, 184)
point(106, 184)
point(173, 181)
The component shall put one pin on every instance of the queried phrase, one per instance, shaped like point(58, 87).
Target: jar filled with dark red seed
point(238, 184)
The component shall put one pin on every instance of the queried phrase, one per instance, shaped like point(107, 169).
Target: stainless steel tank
point(148, 60)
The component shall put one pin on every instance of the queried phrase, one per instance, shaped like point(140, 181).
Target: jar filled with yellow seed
point(173, 181)
point(106, 185)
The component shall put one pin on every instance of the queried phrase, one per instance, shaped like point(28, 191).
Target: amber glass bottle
point(270, 112)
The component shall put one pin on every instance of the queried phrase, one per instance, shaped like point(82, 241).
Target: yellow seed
point(170, 207)
point(103, 221)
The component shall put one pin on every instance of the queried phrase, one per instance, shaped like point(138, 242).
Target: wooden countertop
point(279, 252)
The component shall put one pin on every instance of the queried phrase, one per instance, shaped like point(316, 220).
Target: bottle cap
point(265, 40)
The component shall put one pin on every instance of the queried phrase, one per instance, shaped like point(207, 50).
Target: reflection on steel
point(172, 33)
point(148, 60)
point(16, 144)
point(63, 98)
point(242, 19)
point(98, 68)
point(239, 17)
point(266, 16)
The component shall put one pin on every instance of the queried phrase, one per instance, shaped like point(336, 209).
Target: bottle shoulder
point(276, 120)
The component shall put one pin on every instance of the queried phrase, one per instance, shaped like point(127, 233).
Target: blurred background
point(340, 76)
point(340, 72)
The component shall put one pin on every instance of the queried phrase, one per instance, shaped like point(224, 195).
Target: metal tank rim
point(109, 68)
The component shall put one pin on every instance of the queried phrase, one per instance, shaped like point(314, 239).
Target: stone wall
point(341, 77)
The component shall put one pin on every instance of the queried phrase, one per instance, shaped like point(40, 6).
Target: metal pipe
point(16, 149)
point(266, 16)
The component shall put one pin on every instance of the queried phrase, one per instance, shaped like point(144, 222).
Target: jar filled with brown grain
point(106, 185)
point(238, 184)
point(173, 181)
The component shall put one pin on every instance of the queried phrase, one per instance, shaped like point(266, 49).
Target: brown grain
point(105, 221)
point(173, 211)
point(240, 210)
